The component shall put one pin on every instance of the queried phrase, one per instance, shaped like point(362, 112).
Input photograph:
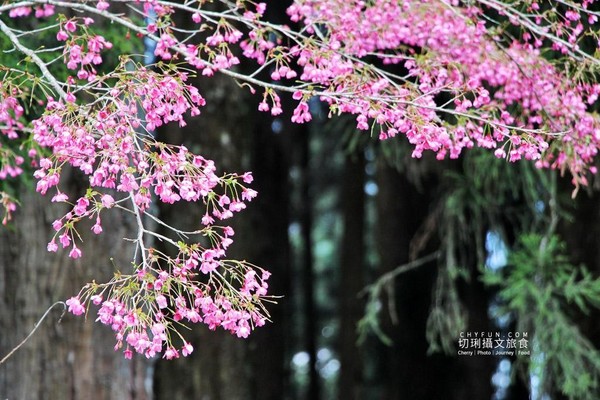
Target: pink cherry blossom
point(75, 306)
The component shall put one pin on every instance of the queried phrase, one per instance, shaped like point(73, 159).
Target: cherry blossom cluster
point(11, 124)
point(109, 138)
point(11, 113)
point(42, 11)
point(198, 285)
point(103, 140)
point(505, 97)
point(82, 51)
point(146, 310)
point(11, 110)
point(9, 205)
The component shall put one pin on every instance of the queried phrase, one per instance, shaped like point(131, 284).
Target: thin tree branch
point(392, 100)
point(399, 270)
point(37, 325)
point(34, 57)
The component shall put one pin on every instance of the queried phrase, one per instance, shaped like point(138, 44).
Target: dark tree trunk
point(68, 358)
point(352, 268)
point(222, 366)
point(266, 243)
point(408, 371)
point(216, 370)
point(307, 265)
point(405, 369)
point(582, 236)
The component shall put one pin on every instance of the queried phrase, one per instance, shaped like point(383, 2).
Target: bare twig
point(399, 270)
point(34, 57)
point(37, 325)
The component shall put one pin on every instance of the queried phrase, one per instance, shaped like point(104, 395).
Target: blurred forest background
point(381, 261)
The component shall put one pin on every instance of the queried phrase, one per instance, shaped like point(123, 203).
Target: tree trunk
point(581, 235)
point(409, 372)
point(352, 271)
point(305, 214)
point(68, 357)
point(264, 240)
point(223, 366)
point(405, 369)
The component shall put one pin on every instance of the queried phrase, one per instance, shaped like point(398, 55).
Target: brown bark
point(68, 357)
